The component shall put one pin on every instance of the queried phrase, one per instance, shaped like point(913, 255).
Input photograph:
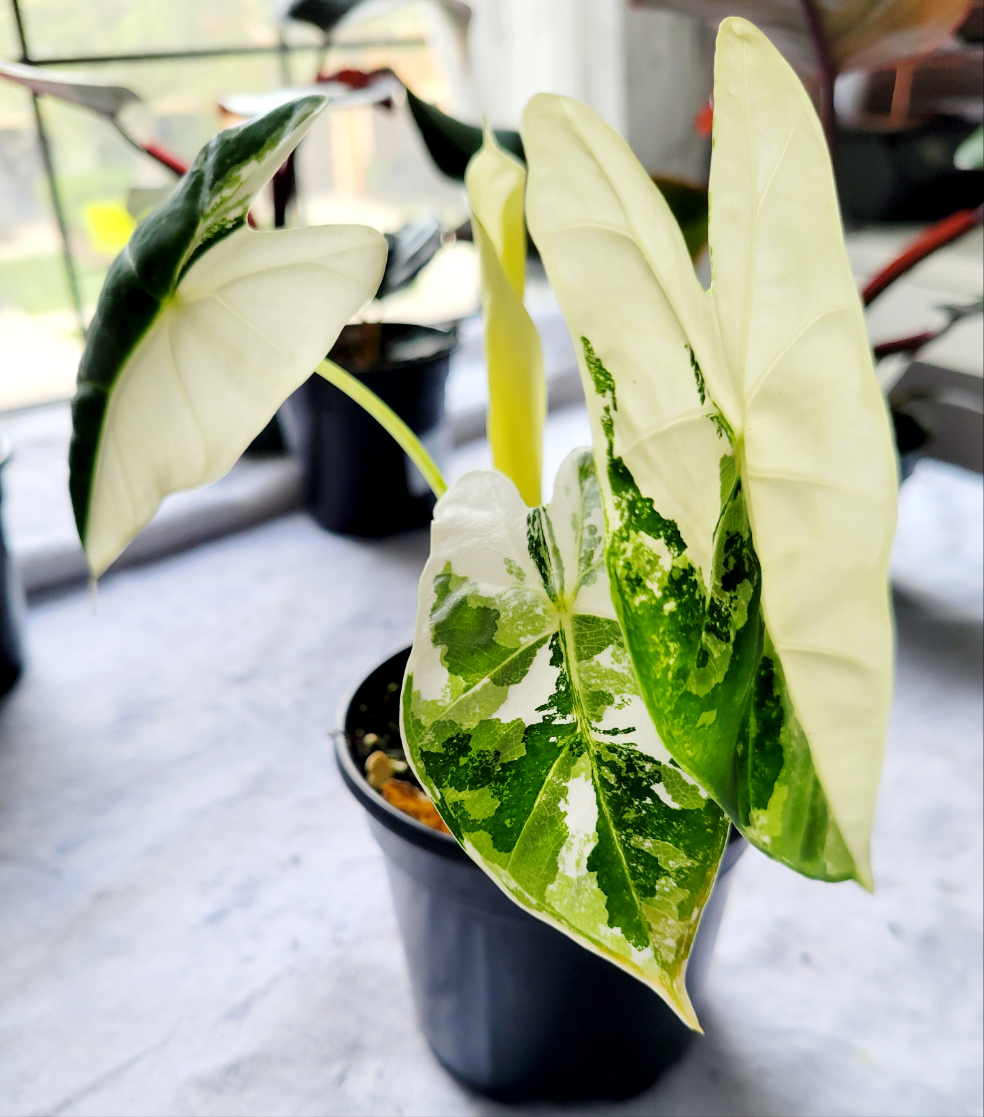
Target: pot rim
point(393, 819)
point(449, 333)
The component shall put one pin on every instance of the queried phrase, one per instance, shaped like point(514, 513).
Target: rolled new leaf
point(203, 328)
point(745, 454)
point(517, 387)
point(522, 719)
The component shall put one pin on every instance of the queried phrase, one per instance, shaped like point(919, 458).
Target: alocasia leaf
point(745, 454)
point(517, 387)
point(450, 142)
point(522, 719)
point(203, 328)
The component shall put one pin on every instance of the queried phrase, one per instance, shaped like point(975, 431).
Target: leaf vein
point(750, 396)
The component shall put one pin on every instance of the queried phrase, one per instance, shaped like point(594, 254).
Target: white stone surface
point(194, 919)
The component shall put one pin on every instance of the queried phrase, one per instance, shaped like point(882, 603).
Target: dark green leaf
point(451, 142)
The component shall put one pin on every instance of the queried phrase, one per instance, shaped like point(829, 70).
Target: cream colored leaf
point(744, 453)
point(819, 463)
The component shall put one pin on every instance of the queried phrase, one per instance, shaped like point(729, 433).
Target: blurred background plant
point(898, 85)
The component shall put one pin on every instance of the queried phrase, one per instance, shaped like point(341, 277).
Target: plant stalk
point(935, 237)
point(388, 419)
point(904, 344)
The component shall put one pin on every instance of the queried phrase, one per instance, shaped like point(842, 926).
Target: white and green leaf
point(203, 328)
point(745, 454)
point(523, 720)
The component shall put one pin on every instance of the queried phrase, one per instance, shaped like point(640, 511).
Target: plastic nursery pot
point(511, 1007)
point(11, 600)
point(904, 176)
point(357, 480)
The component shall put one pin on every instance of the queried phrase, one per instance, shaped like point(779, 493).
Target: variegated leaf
point(203, 329)
point(522, 718)
point(747, 463)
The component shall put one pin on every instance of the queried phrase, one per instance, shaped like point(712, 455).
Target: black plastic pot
point(511, 1007)
point(904, 176)
point(11, 601)
point(357, 480)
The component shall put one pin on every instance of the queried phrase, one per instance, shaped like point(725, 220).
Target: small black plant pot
point(357, 480)
point(511, 1007)
point(904, 176)
point(11, 600)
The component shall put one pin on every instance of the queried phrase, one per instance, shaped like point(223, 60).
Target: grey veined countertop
point(194, 919)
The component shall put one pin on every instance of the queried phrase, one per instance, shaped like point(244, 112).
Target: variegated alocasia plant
point(695, 630)
point(747, 477)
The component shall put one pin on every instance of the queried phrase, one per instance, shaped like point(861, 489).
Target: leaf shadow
point(937, 640)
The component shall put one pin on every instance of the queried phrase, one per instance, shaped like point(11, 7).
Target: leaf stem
point(935, 237)
point(904, 344)
point(388, 419)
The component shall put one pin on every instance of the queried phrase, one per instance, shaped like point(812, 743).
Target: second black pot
point(11, 602)
point(357, 480)
point(510, 1006)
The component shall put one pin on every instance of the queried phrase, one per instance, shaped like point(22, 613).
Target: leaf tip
point(679, 1001)
point(737, 26)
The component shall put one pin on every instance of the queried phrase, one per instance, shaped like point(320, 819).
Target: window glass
point(57, 28)
point(104, 185)
point(38, 328)
point(362, 164)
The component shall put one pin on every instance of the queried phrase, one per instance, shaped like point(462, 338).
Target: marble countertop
point(195, 920)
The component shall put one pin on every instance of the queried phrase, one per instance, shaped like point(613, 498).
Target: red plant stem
point(826, 64)
point(164, 157)
point(901, 94)
point(935, 237)
point(904, 344)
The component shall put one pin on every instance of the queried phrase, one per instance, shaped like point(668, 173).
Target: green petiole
point(388, 419)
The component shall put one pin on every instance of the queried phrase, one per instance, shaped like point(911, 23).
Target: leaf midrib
point(587, 735)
